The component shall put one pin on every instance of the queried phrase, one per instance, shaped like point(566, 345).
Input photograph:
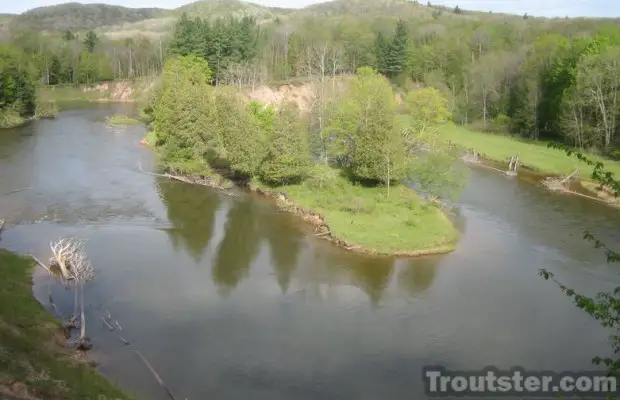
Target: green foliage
point(429, 113)
point(17, 90)
point(438, 174)
point(90, 41)
point(223, 43)
point(182, 123)
point(366, 139)
point(367, 217)
point(46, 109)
point(288, 157)
point(243, 132)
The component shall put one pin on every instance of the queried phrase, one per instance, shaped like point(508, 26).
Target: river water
point(230, 299)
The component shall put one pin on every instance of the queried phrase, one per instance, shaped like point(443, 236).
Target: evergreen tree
point(397, 51)
point(90, 41)
point(242, 137)
point(287, 158)
point(382, 49)
point(17, 82)
point(183, 112)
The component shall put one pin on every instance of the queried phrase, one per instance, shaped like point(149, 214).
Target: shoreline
point(322, 230)
point(34, 340)
point(584, 188)
point(310, 217)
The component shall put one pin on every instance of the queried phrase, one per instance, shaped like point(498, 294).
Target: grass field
point(122, 120)
point(67, 93)
point(31, 353)
point(366, 216)
point(536, 156)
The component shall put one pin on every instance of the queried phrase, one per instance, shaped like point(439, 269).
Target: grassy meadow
point(401, 223)
point(536, 156)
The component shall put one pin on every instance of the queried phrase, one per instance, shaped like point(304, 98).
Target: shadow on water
point(241, 243)
point(191, 209)
point(285, 241)
point(417, 276)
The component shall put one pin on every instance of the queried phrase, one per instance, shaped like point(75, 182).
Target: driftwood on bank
point(191, 181)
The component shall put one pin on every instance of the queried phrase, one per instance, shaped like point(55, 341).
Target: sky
point(548, 8)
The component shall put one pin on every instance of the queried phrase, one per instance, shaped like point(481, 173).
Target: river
point(230, 299)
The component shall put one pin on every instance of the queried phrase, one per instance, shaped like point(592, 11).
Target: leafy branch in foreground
point(605, 306)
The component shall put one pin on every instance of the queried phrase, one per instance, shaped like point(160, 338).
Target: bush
point(47, 109)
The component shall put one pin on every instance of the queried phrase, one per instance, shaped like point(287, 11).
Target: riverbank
point(34, 364)
point(121, 91)
point(367, 219)
point(535, 156)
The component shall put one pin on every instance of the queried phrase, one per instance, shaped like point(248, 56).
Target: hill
point(76, 16)
point(234, 8)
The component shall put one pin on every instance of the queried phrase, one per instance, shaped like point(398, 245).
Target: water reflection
point(241, 242)
point(191, 209)
point(285, 241)
point(370, 274)
point(417, 276)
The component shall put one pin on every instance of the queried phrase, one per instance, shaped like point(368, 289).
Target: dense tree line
point(85, 58)
point(17, 88)
point(229, 45)
point(537, 78)
point(533, 77)
point(200, 126)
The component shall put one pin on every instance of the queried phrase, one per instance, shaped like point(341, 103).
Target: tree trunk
point(83, 317)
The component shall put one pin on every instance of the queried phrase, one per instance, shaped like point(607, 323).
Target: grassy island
point(122, 120)
point(368, 220)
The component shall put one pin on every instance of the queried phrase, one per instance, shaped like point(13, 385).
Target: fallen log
point(201, 182)
point(569, 177)
point(17, 190)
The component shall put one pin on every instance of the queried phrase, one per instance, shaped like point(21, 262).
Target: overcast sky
point(549, 8)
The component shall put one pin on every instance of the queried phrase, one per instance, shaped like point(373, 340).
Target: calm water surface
point(230, 299)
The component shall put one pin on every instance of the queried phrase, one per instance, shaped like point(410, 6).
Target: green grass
point(149, 138)
point(10, 119)
point(30, 343)
point(401, 223)
point(536, 156)
point(46, 109)
point(122, 120)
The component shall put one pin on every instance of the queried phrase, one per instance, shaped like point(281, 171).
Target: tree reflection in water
point(191, 209)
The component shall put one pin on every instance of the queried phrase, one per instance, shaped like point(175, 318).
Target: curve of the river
point(230, 299)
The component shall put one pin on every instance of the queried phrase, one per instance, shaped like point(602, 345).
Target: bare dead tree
point(70, 257)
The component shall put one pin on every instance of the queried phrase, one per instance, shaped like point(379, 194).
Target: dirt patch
point(303, 95)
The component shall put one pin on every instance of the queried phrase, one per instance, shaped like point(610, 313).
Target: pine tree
point(242, 138)
point(288, 158)
point(397, 51)
point(381, 53)
point(90, 41)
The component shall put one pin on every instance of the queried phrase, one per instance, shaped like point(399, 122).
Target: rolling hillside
point(120, 22)
point(76, 16)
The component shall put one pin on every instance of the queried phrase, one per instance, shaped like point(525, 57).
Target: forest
point(540, 79)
